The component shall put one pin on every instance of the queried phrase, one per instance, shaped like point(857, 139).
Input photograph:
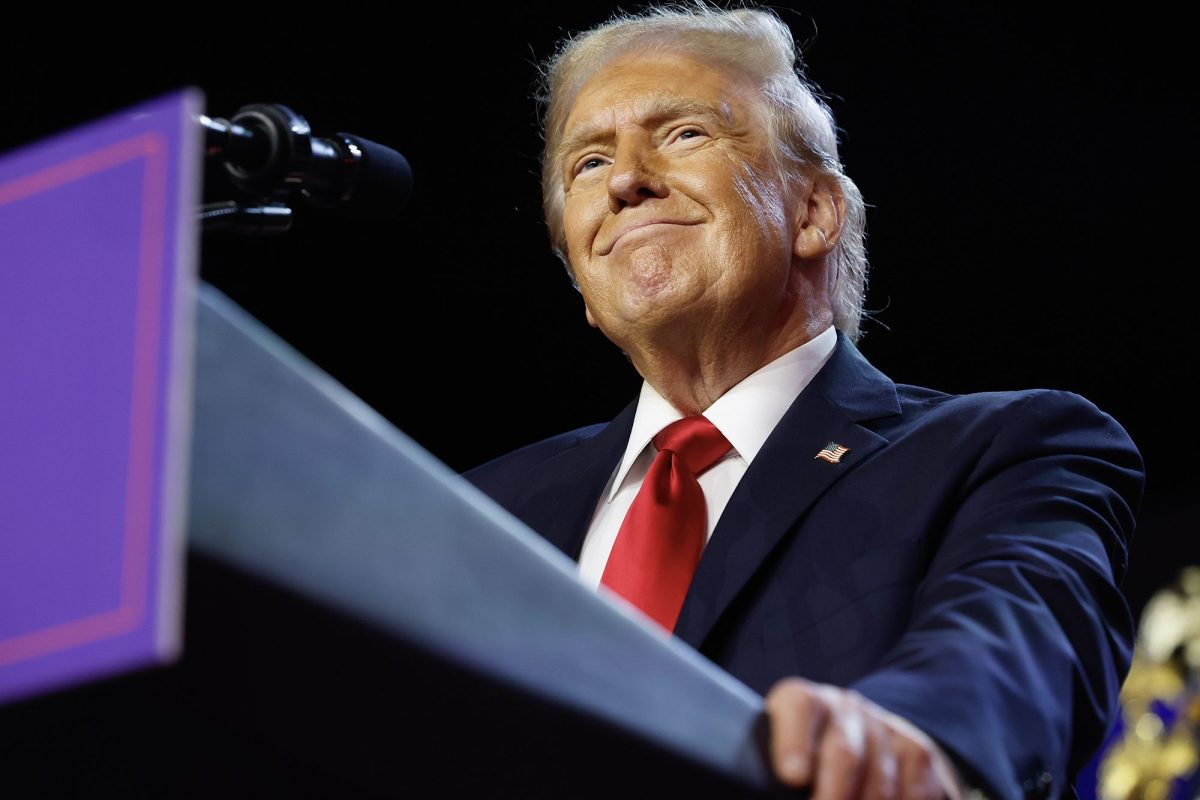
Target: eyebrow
point(654, 110)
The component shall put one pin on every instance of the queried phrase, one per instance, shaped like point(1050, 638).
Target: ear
point(821, 218)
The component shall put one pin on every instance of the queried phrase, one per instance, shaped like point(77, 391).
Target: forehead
point(630, 88)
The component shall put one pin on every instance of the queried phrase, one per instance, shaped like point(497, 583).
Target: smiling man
point(924, 586)
point(682, 232)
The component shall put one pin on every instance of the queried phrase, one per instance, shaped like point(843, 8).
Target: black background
point(1027, 174)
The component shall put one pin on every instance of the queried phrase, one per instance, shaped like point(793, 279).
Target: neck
point(692, 369)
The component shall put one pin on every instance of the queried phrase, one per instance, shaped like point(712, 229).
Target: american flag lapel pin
point(832, 452)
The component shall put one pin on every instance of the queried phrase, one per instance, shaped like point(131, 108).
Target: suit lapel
point(785, 479)
point(565, 489)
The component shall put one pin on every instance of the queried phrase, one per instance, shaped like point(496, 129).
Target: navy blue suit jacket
point(959, 566)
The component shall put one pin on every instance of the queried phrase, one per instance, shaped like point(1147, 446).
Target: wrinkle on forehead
point(653, 99)
point(647, 110)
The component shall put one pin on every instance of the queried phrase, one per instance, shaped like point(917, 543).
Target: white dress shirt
point(746, 415)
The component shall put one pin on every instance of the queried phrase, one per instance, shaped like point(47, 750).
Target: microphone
point(269, 151)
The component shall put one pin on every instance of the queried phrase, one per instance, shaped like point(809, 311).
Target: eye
point(589, 163)
point(685, 134)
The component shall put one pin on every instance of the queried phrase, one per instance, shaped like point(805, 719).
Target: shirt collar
point(746, 414)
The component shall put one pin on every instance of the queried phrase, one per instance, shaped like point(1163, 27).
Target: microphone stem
point(233, 142)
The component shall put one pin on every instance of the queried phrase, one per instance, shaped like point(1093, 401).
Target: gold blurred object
point(1160, 701)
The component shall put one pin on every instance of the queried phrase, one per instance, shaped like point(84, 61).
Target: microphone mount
point(270, 153)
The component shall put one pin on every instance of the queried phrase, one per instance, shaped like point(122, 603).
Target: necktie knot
point(695, 440)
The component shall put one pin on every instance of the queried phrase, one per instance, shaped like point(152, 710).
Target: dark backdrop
point(1027, 174)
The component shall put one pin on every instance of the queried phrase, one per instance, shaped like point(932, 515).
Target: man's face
point(675, 217)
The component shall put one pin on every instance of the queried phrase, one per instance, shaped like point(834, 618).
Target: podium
point(359, 620)
point(363, 622)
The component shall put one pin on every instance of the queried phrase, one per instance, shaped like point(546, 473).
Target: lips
point(608, 246)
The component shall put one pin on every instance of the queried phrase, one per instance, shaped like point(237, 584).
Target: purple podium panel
point(97, 285)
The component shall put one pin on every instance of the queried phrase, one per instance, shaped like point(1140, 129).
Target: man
point(923, 585)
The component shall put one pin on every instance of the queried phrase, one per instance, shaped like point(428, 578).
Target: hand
point(846, 748)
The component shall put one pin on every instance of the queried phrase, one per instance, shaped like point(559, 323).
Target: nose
point(636, 175)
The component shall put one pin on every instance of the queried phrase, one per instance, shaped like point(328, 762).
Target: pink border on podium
point(97, 292)
point(140, 483)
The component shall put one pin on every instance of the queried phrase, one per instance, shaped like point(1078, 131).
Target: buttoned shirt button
point(1038, 788)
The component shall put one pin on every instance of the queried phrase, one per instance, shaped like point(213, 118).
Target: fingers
point(925, 771)
point(917, 778)
point(845, 753)
point(847, 748)
point(883, 771)
point(798, 716)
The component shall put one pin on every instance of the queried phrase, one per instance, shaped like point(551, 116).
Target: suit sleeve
point(1020, 637)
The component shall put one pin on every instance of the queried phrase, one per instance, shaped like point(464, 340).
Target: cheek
point(751, 198)
point(580, 227)
point(771, 216)
point(582, 216)
point(761, 197)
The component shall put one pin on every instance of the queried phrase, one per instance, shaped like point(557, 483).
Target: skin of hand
point(844, 747)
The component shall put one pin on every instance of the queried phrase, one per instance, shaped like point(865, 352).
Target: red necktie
point(660, 541)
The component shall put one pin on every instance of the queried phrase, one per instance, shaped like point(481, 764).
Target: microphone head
point(379, 179)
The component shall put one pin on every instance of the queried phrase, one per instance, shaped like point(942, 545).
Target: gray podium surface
point(297, 481)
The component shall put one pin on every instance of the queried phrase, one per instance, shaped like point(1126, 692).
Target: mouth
point(608, 247)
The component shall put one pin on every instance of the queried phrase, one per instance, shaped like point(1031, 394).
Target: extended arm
point(1019, 636)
